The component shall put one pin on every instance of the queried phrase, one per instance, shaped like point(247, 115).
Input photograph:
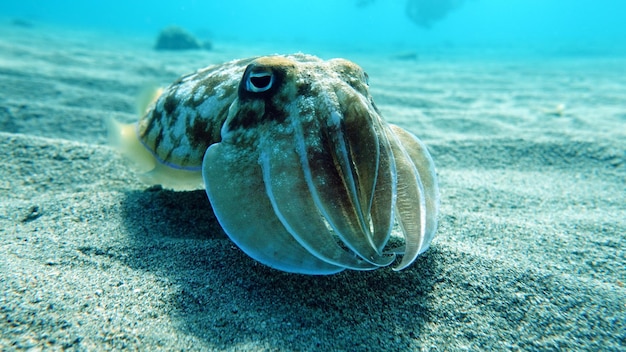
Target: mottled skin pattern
point(301, 170)
point(188, 116)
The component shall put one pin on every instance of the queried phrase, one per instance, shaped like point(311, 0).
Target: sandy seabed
point(530, 253)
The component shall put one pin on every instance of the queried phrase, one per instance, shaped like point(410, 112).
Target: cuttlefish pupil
point(302, 172)
point(259, 81)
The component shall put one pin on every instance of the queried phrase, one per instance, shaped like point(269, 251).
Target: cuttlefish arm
point(236, 187)
point(417, 205)
point(275, 212)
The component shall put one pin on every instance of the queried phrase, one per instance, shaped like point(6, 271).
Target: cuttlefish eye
point(260, 81)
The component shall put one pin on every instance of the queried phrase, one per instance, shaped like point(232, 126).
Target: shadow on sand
point(227, 300)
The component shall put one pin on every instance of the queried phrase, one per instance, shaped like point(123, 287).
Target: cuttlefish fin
point(123, 137)
point(147, 98)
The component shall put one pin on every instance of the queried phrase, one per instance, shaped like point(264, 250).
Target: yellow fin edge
point(123, 138)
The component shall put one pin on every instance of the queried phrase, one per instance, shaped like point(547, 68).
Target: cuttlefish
point(301, 170)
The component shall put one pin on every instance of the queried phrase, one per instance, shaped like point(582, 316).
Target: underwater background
point(521, 103)
point(552, 27)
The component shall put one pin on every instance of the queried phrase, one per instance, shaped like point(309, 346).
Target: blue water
point(352, 23)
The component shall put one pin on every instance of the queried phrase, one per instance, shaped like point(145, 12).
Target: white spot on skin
point(207, 108)
point(335, 119)
point(199, 93)
point(184, 91)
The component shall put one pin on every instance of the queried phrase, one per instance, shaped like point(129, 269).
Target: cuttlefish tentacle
point(410, 204)
point(383, 209)
point(373, 163)
point(288, 190)
point(418, 153)
point(331, 181)
point(414, 168)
